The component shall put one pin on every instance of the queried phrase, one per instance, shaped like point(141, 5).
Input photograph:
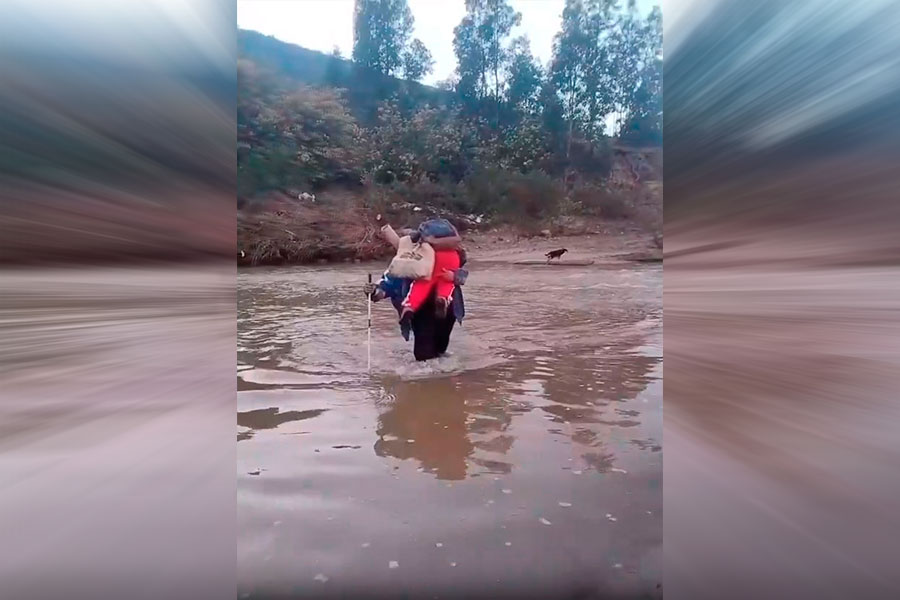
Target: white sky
point(323, 24)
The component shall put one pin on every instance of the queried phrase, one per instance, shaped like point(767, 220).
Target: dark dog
point(555, 254)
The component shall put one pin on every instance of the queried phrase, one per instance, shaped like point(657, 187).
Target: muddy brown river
point(526, 462)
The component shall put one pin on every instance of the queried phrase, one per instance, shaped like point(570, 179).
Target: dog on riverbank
point(555, 254)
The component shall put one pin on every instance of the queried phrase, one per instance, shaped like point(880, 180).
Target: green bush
point(443, 195)
point(597, 200)
point(432, 143)
point(514, 196)
point(304, 137)
point(525, 148)
point(532, 196)
point(591, 159)
point(483, 190)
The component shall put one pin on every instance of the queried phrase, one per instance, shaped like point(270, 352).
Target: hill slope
point(309, 121)
point(364, 89)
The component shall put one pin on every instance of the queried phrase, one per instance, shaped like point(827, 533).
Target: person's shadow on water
point(426, 421)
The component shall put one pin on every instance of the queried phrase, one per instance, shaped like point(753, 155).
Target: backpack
point(437, 228)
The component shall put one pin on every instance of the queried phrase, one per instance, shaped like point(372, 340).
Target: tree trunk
point(571, 118)
point(592, 117)
point(496, 97)
point(483, 75)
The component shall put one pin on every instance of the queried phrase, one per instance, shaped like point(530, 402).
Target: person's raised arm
point(388, 233)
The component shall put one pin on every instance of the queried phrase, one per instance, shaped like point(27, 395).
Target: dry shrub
point(442, 195)
point(602, 202)
point(519, 198)
point(297, 234)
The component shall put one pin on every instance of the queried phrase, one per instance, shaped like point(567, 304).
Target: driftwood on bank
point(557, 263)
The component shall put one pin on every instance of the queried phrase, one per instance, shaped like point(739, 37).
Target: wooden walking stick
point(369, 327)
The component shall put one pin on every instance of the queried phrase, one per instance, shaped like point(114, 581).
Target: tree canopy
point(501, 111)
point(381, 32)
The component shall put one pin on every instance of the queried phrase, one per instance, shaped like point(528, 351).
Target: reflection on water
point(548, 410)
point(270, 418)
point(426, 421)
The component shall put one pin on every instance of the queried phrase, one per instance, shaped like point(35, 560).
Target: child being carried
point(440, 238)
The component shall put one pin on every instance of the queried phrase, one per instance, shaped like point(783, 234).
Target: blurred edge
point(782, 299)
point(117, 132)
point(117, 309)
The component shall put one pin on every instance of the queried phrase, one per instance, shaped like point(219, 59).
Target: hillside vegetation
point(505, 141)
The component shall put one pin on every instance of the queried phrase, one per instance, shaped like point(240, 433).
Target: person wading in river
point(431, 331)
point(446, 260)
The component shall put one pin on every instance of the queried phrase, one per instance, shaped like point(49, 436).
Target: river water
point(528, 461)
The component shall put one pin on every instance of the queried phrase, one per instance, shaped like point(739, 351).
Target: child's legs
point(418, 293)
point(445, 260)
point(444, 289)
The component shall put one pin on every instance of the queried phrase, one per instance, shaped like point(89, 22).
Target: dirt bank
point(343, 227)
point(607, 242)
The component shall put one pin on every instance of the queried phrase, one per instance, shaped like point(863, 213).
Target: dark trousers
point(431, 335)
